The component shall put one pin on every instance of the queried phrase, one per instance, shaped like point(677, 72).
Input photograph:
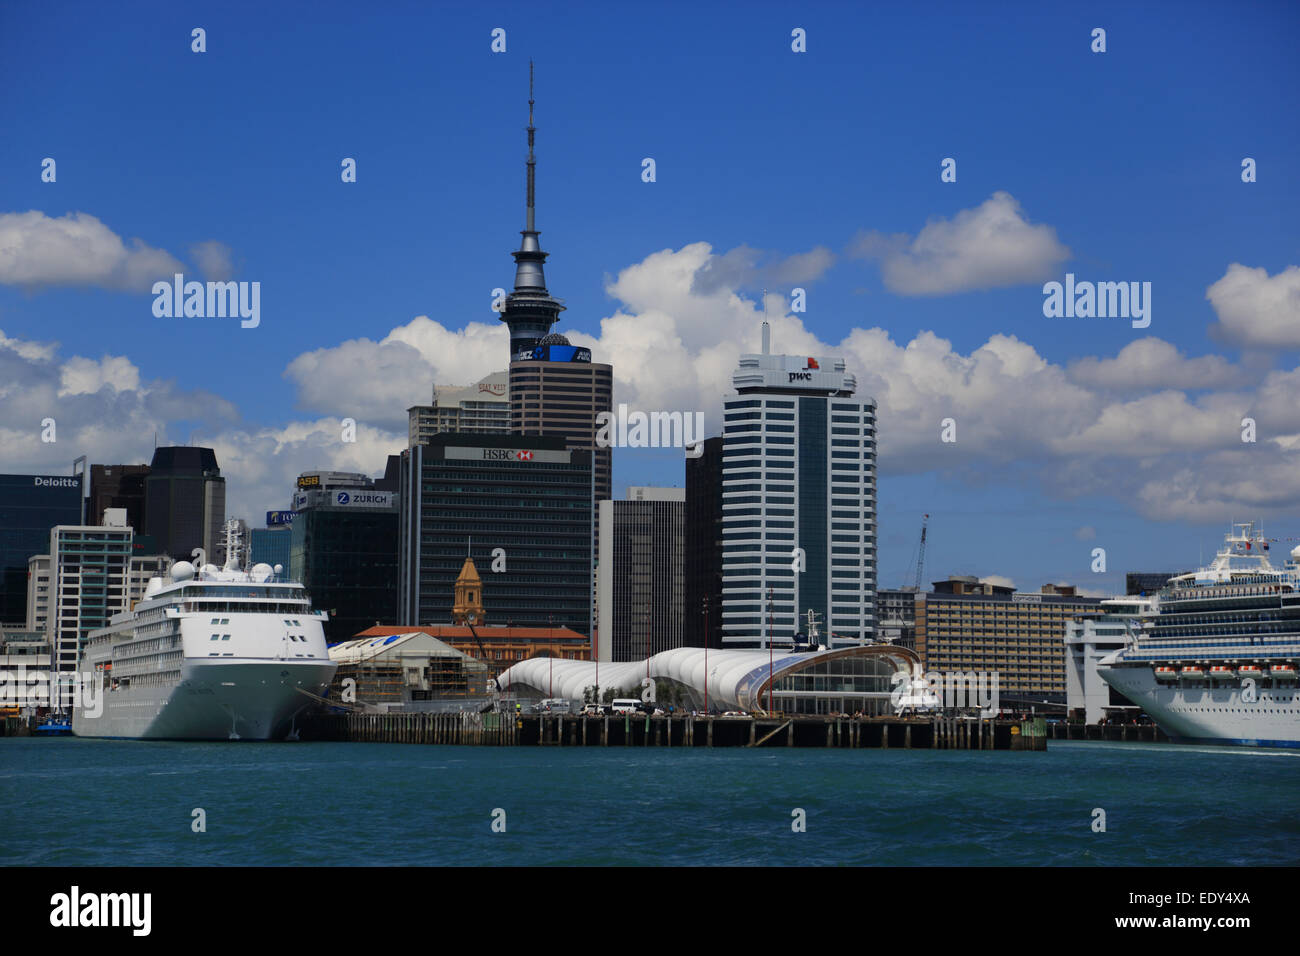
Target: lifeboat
point(1192, 673)
point(1222, 671)
point(1166, 673)
point(1250, 670)
point(1282, 672)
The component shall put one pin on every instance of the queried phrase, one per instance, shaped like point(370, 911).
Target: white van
point(553, 705)
point(623, 705)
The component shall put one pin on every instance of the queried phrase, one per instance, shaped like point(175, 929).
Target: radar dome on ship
point(210, 569)
point(182, 571)
point(261, 572)
point(1295, 553)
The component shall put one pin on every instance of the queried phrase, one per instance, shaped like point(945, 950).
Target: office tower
point(185, 502)
point(481, 408)
point(798, 503)
point(343, 549)
point(704, 546)
point(272, 545)
point(641, 578)
point(520, 507)
point(118, 486)
point(559, 392)
point(89, 583)
point(896, 616)
point(30, 505)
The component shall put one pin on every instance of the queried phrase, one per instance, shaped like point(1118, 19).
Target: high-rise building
point(559, 392)
point(965, 625)
point(343, 549)
point(117, 486)
point(519, 506)
point(185, 502)
point(38, 592)
point(271, 546)
point(30, 505)
point(90, 582)
point(481, 408)
point(798, 503)
point(704, 546)
point(641, 576)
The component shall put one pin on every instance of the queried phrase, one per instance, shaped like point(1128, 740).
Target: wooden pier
point(571, 730)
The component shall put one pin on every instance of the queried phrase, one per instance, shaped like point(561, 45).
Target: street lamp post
point(770, 660)
point(706, 655)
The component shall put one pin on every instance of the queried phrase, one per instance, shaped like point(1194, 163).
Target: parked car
point(623, 705)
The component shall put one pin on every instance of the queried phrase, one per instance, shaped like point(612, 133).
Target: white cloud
point(1000, 580)
point(1151, 363)
point(990, 246)
point(214, 260)
point(1104, 426)
point(1086, 533)
point(77, 249)
point(1256, 310)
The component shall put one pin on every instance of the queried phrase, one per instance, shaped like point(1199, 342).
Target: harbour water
point(78, 802)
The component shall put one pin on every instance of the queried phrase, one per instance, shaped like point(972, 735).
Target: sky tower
point(530, 310)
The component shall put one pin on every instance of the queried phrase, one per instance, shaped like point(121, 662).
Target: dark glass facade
point(30, 506)
point(347, 560)
point(474, 493)
point(703, 537)
point(813, 588)
point(185, 501)
point(117, 486)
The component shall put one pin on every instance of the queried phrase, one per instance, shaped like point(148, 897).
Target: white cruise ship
point(208, 654)
point(1217, 662)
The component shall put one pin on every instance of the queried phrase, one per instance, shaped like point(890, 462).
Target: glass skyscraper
point(30, 506)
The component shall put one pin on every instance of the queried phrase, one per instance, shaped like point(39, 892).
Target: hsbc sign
point(524, 455)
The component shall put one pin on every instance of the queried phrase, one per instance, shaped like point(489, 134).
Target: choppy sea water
point(73, 802)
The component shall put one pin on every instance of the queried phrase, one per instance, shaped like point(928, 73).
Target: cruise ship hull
point(214, 700)
point(1199, 713)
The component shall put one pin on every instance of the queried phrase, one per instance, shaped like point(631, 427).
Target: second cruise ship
point(1217, 661)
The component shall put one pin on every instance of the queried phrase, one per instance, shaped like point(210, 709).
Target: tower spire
point(530, 310)
point(529, 225)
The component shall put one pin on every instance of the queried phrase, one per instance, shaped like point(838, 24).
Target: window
point(225, 637)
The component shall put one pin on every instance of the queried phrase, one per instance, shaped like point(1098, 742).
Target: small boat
point(1282, 672)
point(1192, 673)
point(1166, 673)
point(1250, 670)
point(55, 726)
point(1222, 672)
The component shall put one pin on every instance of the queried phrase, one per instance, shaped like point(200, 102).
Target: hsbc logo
point(507, 454)
point(801, 376)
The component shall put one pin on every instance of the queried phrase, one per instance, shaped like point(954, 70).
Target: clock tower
point(467, 606)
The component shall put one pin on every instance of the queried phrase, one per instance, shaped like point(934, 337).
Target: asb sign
point(309, 481)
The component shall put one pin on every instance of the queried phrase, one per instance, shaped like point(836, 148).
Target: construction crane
point(920, 553)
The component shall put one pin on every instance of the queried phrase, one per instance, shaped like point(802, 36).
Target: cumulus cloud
point(748, 268)
point(1110, 426)
point(1256, 310)
point(77, 249)
point(990, 246)
point(1152, 363)
point(999, 580)
point(214, 260)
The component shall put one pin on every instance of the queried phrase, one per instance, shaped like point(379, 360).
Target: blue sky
point(1130, 160)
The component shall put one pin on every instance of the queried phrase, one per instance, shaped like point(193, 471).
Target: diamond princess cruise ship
point(208, 654)
point(1216, 662)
